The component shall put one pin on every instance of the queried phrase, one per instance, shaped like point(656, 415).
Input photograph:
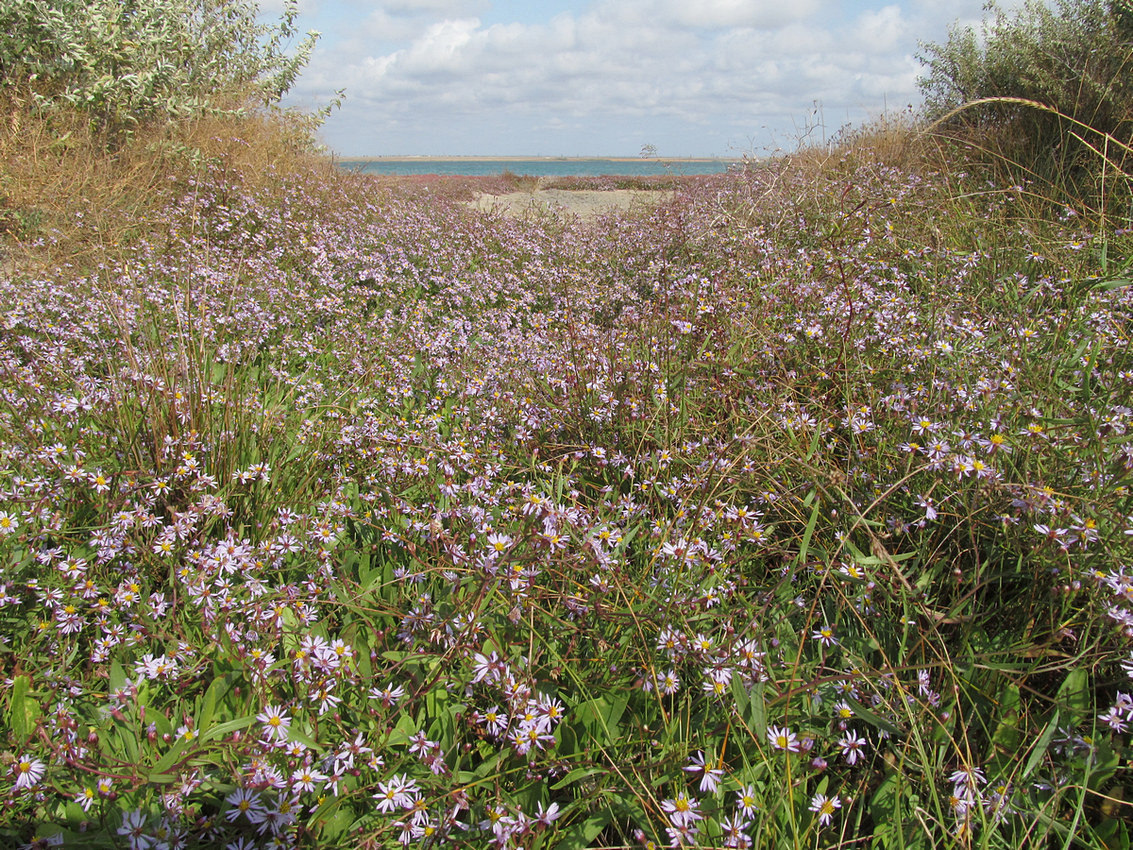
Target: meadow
point(792, 512)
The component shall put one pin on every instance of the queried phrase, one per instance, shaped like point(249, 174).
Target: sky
point(726, 78)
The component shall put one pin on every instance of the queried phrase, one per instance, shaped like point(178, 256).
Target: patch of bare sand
point(583, 203)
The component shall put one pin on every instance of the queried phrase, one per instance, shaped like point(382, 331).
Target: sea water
point(537, 167)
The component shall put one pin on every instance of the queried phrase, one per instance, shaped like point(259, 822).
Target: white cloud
point(432, 77)
point(381, 27)
point(442, 49)
point(704, 14)
point(722, 14)
point(882, 31)
point(444, 8)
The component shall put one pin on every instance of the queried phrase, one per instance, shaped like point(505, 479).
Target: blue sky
point(606, 77)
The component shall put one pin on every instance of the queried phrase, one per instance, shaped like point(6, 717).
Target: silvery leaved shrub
point(1072, 59)
point(129, 61)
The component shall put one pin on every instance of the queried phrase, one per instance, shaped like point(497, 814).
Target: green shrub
point(128, 61)
point(1076, 59)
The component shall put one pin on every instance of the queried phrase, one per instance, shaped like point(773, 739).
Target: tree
point(1076, 60)
point(131, 61)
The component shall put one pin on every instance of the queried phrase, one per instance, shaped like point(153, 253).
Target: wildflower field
point(792, 512)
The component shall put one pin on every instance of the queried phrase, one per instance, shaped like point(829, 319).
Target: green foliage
point(125, 63)
point(1076, 59)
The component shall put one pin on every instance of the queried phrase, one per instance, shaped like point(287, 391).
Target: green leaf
point(23, 709)
point(222, 729)
point(615, 708)
point(575, 775)
point(1107, 760)
point(599, 717)
point(362, 656)
point(580, 836)
point(366, 574)
point(337, 825)
point(887, 810)
point(1007, 736)
point(303, 738)
point(1040, 747)
point(435, 701)
point(332, 819)
point(117, 675)
point(627, 538)
point(1073, 694)
point(1120, 283)
point(488, 766)
point(1113, 833)
point(872, 718)
point(127, 744)
point(740, 695)
point(804, 546)
point(757, 709)
point(171, 758)
point(400, 734)
point(218, 688)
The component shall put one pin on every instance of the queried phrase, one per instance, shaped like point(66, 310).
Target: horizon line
point(532, 158)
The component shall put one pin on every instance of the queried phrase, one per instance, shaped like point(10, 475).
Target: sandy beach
point(586, 204)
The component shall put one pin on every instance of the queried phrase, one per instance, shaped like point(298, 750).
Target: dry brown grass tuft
point(66, 196)
point(520, 182)
point(892, 140)
point(779, 187)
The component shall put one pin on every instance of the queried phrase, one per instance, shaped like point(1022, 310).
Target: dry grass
point(520, 182)
point(1093, 175)
point(783, 187)
point(66, 197)
point(888, 140)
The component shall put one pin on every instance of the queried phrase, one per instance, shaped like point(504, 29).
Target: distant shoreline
point(538, 159)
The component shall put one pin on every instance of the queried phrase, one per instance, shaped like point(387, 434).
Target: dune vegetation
point(792, 511)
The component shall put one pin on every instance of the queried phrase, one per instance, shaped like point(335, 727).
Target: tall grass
point(793, 513)
point(63, 186)
point(1036, 93)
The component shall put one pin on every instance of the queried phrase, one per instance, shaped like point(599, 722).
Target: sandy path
point(585, 204)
